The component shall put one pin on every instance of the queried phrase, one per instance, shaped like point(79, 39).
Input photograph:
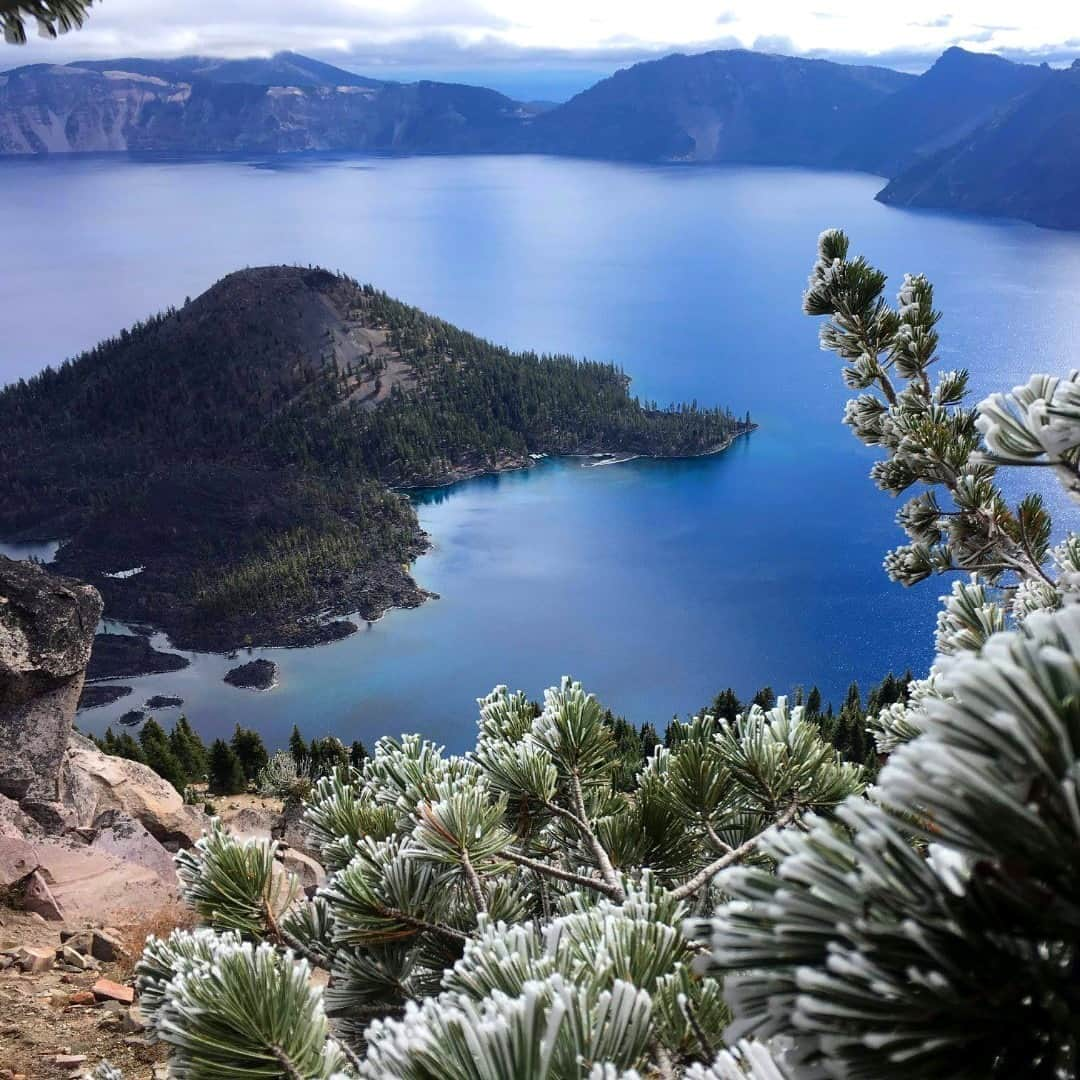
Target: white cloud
point(472, 34)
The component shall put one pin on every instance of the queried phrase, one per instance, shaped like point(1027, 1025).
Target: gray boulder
point(18, 860)
point(93, 782)
point(14, 821)
point(128, 840)
point(47, 626)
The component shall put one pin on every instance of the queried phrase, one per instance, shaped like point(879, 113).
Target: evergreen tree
point(357, 754)
point(298, 748)
point(725, 706)
point(532, 822)
point(226, 774)
point(325, 755)
point(157, 753)
point(248, 747)
point(765, 698)
point(122, 745)
point(189, 750)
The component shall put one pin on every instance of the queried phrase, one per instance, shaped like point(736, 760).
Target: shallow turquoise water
point(655, 583)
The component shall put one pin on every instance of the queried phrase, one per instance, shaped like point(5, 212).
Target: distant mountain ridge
point(1023, 163)
point(288, 103)
point(281, 69)
point(731, 105)
point(959, 93)
point(975, 132)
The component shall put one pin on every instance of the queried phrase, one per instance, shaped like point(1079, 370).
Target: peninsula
point(231, 471)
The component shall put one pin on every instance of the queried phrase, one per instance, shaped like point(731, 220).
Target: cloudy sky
point(555, 47)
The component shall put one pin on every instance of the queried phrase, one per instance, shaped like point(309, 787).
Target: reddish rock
point(100, 944)
point(107, 990)
point(69, 1061)
point(82, 997)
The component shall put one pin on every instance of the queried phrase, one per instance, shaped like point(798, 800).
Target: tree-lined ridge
point(232, 468)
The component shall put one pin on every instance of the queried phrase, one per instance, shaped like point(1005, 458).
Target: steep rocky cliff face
point(160, 107)
point(52, 110)
point(47, 628)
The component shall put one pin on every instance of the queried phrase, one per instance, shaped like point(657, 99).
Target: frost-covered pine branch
point(52, 17)
point(958, 519)
point(505, 913)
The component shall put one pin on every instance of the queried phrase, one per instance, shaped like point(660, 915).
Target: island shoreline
point(334, 623)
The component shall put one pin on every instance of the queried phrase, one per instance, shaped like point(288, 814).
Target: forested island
point(232, 471)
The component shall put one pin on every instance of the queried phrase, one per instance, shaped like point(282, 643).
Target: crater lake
point(655, 583)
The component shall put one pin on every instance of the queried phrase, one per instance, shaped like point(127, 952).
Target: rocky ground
point(62, 1010)
point(67, 999)
point(86, 848)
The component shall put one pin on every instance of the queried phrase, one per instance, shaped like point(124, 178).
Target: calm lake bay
point(655, 583)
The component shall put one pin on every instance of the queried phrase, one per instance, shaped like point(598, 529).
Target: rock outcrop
point(95, 886)
point(47, 626)
point(14, 821)
point(93, 783)
point(18, 860)
point(85, 835)
point(126, 839)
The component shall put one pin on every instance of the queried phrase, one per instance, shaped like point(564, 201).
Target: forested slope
point(241, 449)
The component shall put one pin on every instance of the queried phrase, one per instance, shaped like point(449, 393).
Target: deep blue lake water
point(655, 583)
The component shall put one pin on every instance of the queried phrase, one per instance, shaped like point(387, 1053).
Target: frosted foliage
point(860, 936)
point(943, 456)
point(544, 907)
point(512, 912)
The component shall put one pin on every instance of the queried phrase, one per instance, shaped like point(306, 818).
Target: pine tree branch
point(289, 1070)
point(448, 932)
point(714, 837)
point(688, 888)
point(350, 1053)
point(562, 812)
point(563, 875)
point(472, 879)
point(664, 1068)
point(603, 860)
point(1026, 544)
point(298, 947)
point(695, 1027)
